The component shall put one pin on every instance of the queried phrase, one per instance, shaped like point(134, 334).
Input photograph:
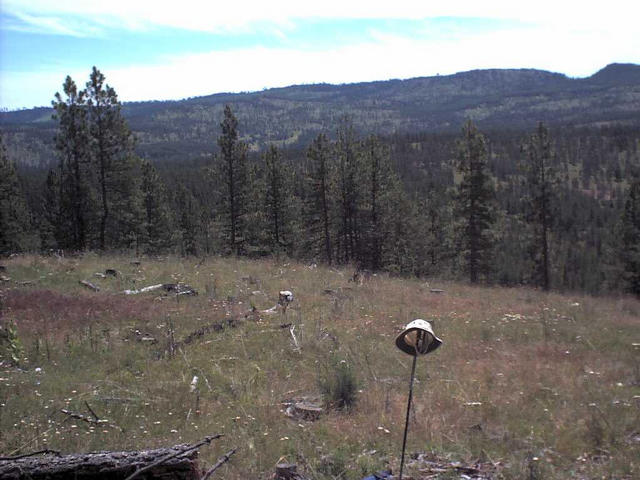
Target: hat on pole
point(418, 338)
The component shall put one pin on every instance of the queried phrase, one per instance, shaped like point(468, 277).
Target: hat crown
point(418, 338)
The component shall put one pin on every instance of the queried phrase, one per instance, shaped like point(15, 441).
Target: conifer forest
point(224, 286)
point(550, 205)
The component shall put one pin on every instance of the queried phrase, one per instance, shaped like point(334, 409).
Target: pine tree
point(14, 217)
point(399, 247)
point(318, 205)
point(631, 238)
point(378, 181)
point(188, 221)
point(112, 148)
point(475, 199)
point(434, 218)
point(233, 172)
point(157, 219)
point(540, 183)
point(257, 231)
point(277, 199)
point(348, 184)
point(50, 216)
point(75, 205)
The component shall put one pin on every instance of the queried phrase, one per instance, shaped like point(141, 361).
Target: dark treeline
point(555, 209)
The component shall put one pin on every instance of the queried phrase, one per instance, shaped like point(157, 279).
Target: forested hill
point(493, 99)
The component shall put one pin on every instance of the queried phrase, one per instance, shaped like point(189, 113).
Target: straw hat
point(285, 297)
point(418, 338)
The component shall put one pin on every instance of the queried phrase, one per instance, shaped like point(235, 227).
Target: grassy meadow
point(541, 386)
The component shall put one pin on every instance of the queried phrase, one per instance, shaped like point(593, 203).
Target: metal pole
point(406, 424)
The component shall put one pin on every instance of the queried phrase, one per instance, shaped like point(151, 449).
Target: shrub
point(338, 384)
point(12, 345)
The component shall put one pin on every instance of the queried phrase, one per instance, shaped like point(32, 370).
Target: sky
point(164, 50)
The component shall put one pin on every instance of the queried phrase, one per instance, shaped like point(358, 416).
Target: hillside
point(494, 99)
point(526, 384)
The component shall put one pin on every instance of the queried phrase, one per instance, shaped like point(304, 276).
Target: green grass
point(546, 384)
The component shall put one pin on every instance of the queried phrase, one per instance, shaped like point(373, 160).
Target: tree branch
point(221, 461)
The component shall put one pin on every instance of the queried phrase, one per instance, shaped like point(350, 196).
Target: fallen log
point(177, 288)
point(89, 285)
point(150, 288)
point(106, 465)
point(181, 452)
point(46, 451)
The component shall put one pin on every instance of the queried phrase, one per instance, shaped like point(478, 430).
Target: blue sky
point(170, 50)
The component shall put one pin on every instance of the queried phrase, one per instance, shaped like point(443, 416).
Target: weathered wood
point(150, 288)
point(46, 451)
point(286, 471)
point(177, 288)
point(89, 285)
point(221, 461)
point(105, 466)
point(163, 460)
point(84, 418)
point(304, 411)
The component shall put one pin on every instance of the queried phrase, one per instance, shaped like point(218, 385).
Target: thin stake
point(406, 424)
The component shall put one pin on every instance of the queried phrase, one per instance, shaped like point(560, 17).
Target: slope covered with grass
point(538, 385)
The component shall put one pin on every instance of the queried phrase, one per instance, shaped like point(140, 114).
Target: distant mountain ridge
point(494, 99)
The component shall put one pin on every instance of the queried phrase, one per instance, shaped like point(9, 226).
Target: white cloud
point(208, 15)
point(56, 25)
point(576, 42)
point(386, 57)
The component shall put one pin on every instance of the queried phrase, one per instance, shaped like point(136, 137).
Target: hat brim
point(409, 349)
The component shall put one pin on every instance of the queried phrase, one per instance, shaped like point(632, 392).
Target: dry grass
point(547, 385)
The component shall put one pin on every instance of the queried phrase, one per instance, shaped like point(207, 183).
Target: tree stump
point(306, 411)
point(286, 471)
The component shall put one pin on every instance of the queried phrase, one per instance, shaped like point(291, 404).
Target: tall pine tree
point(318, 205)
point(14, 217)
point(232, 163)
point(74, 205)
point(112, 150)
point(475, 198)
point(277, 200)
point(158, 228)
point(349, 187)
point(631, 237)
point(378, 181)
point(540, 183)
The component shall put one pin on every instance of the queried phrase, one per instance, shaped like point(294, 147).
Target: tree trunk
point(104, 466)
